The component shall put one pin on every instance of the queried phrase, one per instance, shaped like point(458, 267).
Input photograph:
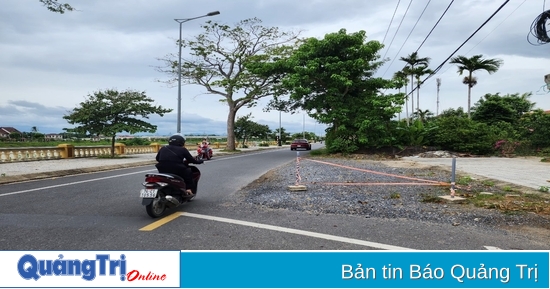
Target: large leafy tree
point(332, 80)
point(284, 134)
point(246, 128)
point(472, 64)
point(110, 112)
point(492, 108)
point(412, 61)
point(219, 58)
point(57, 7)
point(536, 128)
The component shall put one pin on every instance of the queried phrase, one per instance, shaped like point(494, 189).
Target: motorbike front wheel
point(156, 208)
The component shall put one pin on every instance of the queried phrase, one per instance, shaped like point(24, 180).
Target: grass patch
point(512, 205)
point(488, 183)
point(111, 157)
point(507, 189)
point(319, 152)
point(429, 198)
point(464, 181)
point(544, 189)
point(395, 196)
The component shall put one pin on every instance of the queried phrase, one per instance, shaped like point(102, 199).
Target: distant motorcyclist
point(171, 160)
point(205, 144)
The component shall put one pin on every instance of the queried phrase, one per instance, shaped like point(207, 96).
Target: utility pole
point(304, 127)
point(438, 80)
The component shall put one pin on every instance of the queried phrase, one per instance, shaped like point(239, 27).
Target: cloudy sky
point(50, 62)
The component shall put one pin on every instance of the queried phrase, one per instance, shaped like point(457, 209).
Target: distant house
point(6, 130)
point(53, 136)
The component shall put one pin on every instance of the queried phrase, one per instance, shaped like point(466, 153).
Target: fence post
point(298, 186)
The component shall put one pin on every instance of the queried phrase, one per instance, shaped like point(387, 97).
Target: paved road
point(101, 211)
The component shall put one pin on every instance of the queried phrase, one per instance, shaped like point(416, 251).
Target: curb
point(63, 173)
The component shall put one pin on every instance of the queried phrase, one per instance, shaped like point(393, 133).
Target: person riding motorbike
point(205, 143)
point(171, 160)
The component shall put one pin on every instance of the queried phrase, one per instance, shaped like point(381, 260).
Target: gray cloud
point(50, 61)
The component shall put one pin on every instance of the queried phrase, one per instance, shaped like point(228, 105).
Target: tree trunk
point(412, 94)
point(231, 128)
point(418, 94)
point(399, 114)
point(469, 93)
point(407, 105)
point(113, 146)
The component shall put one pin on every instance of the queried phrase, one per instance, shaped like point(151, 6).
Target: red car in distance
point(300, 144)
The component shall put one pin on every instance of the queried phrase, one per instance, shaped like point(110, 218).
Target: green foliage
point(15, 135)
point(535, 127)
point(544, 189)
point(319, 152)
point(308, 135)
point(110, 112)
point(472, 64)
point(395, 196)
point(416, 134)
point(461, 134)
point(137, 141)
point(459, 112)
point(284, 135)
point(464, 181)
point(245, 129)
point(488, 183)
point(57, 7)
point(332, 80)
point(492, 108)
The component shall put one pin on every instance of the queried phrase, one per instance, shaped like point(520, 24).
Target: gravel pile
point(370, 200)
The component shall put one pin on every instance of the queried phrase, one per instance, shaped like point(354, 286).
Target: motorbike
point(164, 191)
point(204, 152)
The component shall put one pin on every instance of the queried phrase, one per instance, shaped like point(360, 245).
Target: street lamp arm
point(183, 20)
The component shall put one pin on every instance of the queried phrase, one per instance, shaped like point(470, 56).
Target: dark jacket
point(172, 156)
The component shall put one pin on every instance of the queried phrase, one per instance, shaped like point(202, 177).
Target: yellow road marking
point(160, 222)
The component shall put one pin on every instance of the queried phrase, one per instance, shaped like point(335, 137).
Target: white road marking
point(72, 183)
point(298, 232)
point(492, 248)
point(113, 176)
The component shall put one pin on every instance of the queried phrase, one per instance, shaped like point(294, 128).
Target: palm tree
point(412, 60)
point(471, 65)
point(423, 115)
point(401, 78)
point(419, 72)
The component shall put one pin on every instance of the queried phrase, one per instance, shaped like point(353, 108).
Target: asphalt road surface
point(103, 211)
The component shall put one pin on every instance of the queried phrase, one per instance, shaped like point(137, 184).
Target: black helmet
point(176, 140)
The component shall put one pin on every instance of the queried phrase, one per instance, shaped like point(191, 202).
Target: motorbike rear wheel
point(156, 208)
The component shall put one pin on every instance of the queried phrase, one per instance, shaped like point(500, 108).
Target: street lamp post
point(181, 21)
point(279, 142)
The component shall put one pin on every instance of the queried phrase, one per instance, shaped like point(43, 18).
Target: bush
point(461, 134)
point(263, 144)
point(135, 142)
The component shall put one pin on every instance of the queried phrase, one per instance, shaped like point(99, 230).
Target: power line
point(468, 39)
point(397, 54)
point(489, 33)
point(388, 30)
point(444, 12)
point(397, 29)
